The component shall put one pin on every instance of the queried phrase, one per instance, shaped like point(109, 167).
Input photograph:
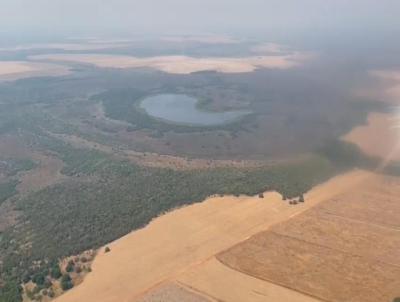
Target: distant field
point(13, 70)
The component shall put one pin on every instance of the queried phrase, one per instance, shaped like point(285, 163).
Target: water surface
point(182, 109)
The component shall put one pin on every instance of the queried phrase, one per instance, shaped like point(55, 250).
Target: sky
point(185, 16)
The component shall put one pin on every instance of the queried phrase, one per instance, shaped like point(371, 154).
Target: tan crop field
point(329, 252)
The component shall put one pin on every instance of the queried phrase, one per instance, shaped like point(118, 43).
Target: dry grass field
point(329, 252)
point(221, 283)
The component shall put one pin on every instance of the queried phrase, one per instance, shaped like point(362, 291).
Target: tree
point(47, 283)
point(66, 282)
point(39, 278)
point(70, 266)
point(55, 272)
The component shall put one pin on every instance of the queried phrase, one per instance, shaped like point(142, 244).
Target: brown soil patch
point(380, 137)
point(182, 64)
point(187, 238)
point(345, 249)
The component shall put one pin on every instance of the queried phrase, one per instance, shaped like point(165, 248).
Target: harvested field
point(187, 238)
point(225, 284)
point(181, 64)
point(329, 251)
point(380, 137)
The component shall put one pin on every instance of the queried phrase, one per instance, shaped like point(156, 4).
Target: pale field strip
point(187, 239)
point(66, 46)
point(183, 64)
point(13, 70)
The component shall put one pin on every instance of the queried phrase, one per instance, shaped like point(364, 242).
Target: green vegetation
point(10, 292)
point(55, 271)
point(66, 282)
point(10, 168)
point(7, 190)
point(70, 266)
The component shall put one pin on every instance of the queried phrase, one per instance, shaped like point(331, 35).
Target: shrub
point(107, 249)
point(47, 283)
point(55, 272)
point(51, 293)
point(70, 266)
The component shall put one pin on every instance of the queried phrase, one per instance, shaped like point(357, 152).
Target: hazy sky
point(166, 16)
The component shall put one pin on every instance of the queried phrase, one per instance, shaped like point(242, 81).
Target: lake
point(182, 109)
